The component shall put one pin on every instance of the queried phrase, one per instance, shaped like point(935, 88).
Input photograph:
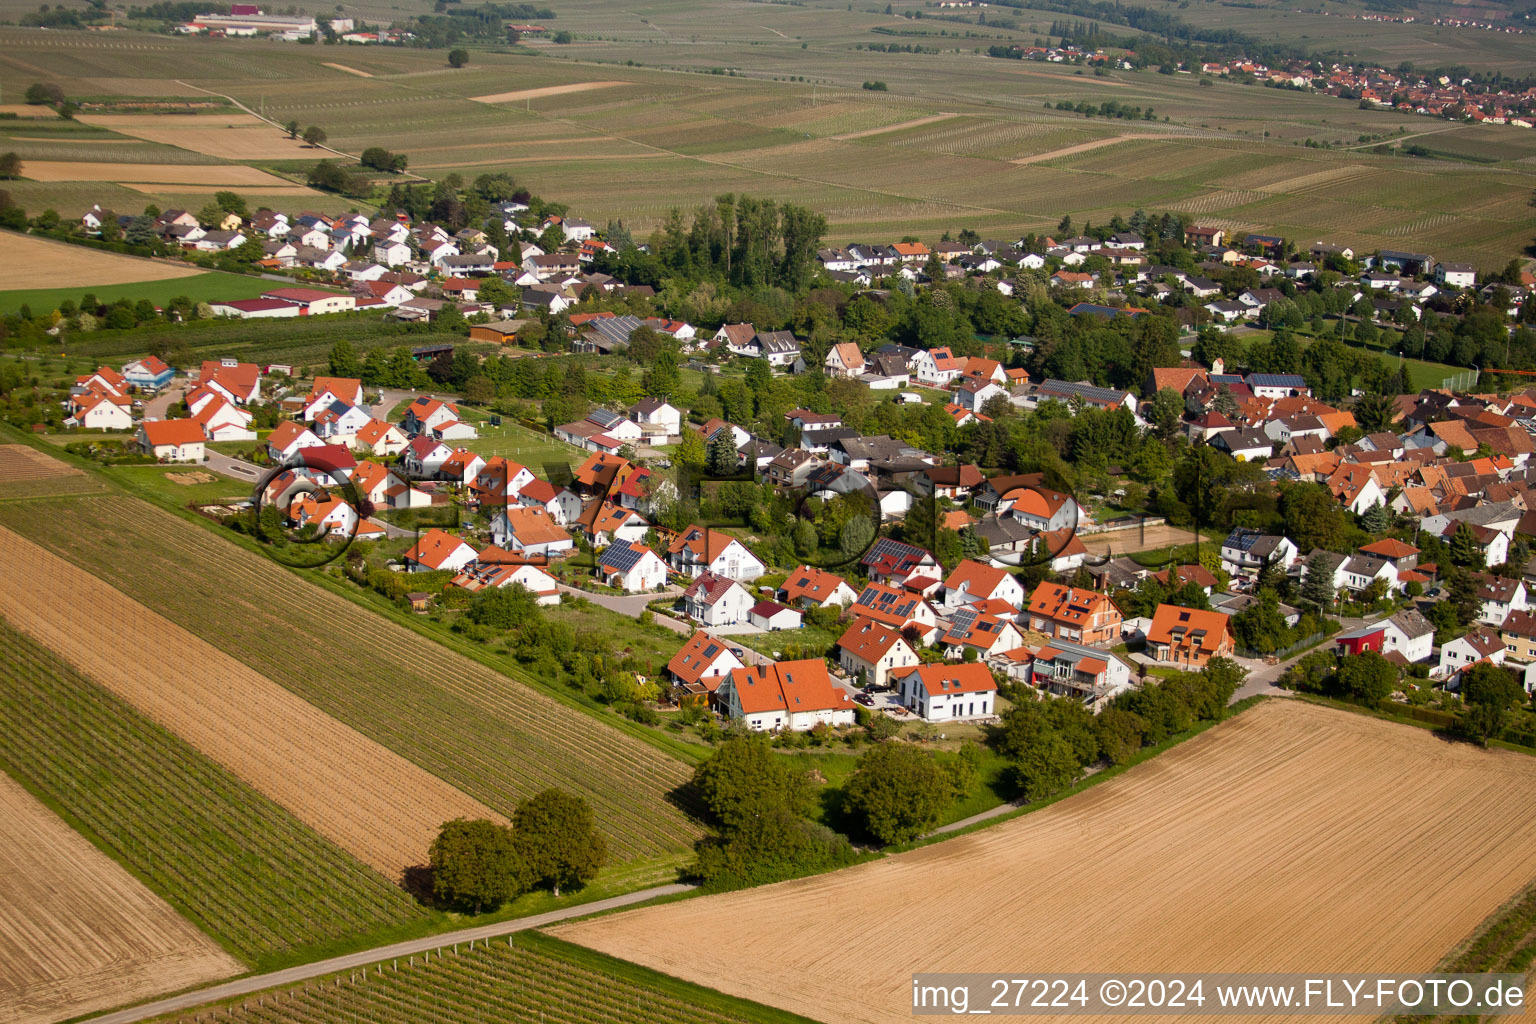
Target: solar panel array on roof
point(604, 417)
point(621, 557)
point(1087, 392)
point(1242, 538)
point(894, 553)
point(1277, 380)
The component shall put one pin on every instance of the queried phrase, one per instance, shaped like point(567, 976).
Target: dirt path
point(367, 799)
point(1082, 147)
point(350, 71)
point(915, 122)
point(548, 90)
point(80, 933)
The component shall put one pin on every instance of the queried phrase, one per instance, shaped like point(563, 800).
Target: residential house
point(1072, 613)
point(95, 411)
point(809, 587)
point(1465, 651)
point(702, 663)
point(530, 533)
point(379, 439)
point(844, 360)
point(1247, 548)
point(603, 522)
point(717, 601)
point(973, 581)
point(698, 549)
point(895, 562)
point(1411, 635)
point(438, 550)
point(1188, 637)
point(148, 374)
point(789, 695)
point(424, 457)
point(562, 504)
point(1500, 597)
point(1246, 443)
point(947, 693)
point(632, 567)
point(1089, 674)
point(870, 651)
point(482, 574)
point(988, 633)
point(172, 440)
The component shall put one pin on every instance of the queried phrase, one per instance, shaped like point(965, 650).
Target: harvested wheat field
point(1291, 838)
point(547, 90)
point(368, 800)
point(40, 263)
point(229, 136)
point(79, 933)
point(148, 174)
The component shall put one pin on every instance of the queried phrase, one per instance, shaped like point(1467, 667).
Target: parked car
point(865, 699)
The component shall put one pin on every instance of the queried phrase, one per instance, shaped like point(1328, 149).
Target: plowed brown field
point(40, 263)
point(77, 932)
point(1292, 838)
point(367, 799)
point(26, 472)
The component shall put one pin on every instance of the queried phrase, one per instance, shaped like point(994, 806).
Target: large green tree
point(1367, 677)
point(558, 840)
point(475, 864)
point(898, 792)
point(1490, 692)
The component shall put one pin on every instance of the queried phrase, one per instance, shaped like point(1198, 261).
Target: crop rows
point(487, 734)
point(242, 868)
point(527, 979)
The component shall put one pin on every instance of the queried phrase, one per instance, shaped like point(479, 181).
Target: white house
point(717, 601)
point(1476, 646)
point(1246, 548)
point(102, 412)
point(424, 457)
point(482, 575)
point(172, 440)
point(288, 438)
point(530, 532)
point(787, 695)
point(697, 550)
point(562, 504)
point(772, 616)
point(1410, 634)
point(632, 567)
point(1500, 596)
point(871, 651)
point(947, 692)
point(379, 438)
point(937, 367)
point(662, 417)
point(703, 661)
point(223, 420)
point(437, 550)
point(973, 581)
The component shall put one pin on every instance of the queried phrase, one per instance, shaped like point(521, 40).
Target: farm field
point(494, 738)
point(530, 978)
point(959, 140)
point(26, 472)
point(80, 933)
point(1191, 859)
point(199, 285)
point(371, 802)
point(43, 263)
point(228, 136)
point(235, 863)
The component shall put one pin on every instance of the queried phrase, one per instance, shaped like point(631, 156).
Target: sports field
point(79, 933)
point(371, 802)
point(490, 736)
point(1244, 849)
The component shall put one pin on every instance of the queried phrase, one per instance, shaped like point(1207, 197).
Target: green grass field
point(236, 864)
point(488, 733)
point(530, 977)
point(514, 441)
point(213, 286)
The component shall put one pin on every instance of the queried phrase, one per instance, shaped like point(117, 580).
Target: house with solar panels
point(632, 567)
point(1247, 548)
point(603, 430)
point(1278, 385)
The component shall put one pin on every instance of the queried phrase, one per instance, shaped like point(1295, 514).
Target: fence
point(1284, 652)
point(1464, 381)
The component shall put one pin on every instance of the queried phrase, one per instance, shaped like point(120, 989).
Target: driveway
point(388, 399)
point(155, 408)
point(237, 469)
point(631, 605)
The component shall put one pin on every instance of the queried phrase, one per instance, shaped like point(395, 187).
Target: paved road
point(633, 604)
point(156, 408)
point(229, 466)
point(388, 399)
point(259, 982)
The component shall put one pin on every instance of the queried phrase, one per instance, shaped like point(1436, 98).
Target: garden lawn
point(214, 286)
point(514, 441)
